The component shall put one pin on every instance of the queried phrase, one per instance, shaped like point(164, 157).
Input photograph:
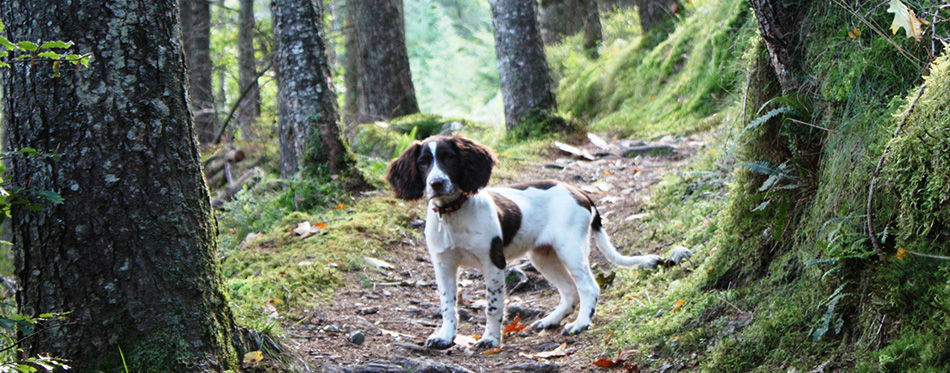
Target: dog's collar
point(452, 206)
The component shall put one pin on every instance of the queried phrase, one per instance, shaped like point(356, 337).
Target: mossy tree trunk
point(311, 136)
point(247, 70)
point(196, 33)
point(526, 84)
point(652, 12)
point(386, 89)
point(780, 24)
point(567, 17)
point(131, 251)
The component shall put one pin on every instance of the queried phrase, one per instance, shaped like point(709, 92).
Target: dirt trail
point(395, 308)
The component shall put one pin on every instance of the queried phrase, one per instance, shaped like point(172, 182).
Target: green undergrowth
point(657, 84)
point(785, 277)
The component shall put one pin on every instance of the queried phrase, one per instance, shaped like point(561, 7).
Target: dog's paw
point(437, 343)
point(487, 343)
point(650, 261)
point(571, 329)
point(542, 325)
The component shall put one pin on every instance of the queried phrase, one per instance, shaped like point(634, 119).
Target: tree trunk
point(196, 33)
point(526, 84)
point(385, 78)
point(131, 251)
point(351, 64)
point(652, 12)
point(780, 24)
point(310, 130)
point(567, 17)
point(247, 70)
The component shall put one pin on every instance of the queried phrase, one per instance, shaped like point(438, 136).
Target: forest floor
point(380, 317)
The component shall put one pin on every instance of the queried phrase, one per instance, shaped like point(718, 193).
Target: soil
point(386, 313)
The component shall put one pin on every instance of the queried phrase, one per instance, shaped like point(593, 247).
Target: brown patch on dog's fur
point(509, 215)
point(582, 198)
point(404, 176)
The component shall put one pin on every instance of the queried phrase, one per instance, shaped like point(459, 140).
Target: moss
point(536, 125)
point(659, 85)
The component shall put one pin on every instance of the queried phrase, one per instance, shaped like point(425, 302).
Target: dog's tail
point(614, 256)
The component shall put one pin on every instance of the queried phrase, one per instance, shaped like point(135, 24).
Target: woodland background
point(159, 168)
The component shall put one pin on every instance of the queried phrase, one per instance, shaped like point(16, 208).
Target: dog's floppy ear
point(404, 176)
point(476, 162)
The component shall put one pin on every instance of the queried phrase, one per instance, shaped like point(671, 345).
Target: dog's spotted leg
point(495, 286)
point(446, 277)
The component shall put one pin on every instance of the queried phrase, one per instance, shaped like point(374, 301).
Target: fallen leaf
point(618, 361)
point(303, 229)
point(607, 339)
point(492, 351)
point(253, 357)
point(514, 326)
point(465, 341)
point(905, 18)
point(274, 300)
point(339, 207)
point(607, 172)
point(679, 304)
point(560, 351)
point(854, 34)
point(901, 253)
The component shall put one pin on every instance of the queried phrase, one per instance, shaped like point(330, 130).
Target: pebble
point(357, 338)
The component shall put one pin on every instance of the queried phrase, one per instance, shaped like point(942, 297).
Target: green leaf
point(84, 61)
point(51, 196)
point(27, 151)
point(49, 54)
point(27, 46)
point(56, 44)
point(6, 43)
point(25, 368)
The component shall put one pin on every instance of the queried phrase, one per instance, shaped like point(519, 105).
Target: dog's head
point(441, 167)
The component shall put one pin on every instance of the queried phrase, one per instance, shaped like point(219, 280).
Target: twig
point(237, 104)
point(932, 256)
point(875, 243)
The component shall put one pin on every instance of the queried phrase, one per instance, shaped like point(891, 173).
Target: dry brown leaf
point(679, 304)
point(492, 351)
point(514, 326)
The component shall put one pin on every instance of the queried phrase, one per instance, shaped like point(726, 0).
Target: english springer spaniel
point(469, 226)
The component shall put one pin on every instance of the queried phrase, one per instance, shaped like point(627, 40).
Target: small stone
point(357, 338)
point(367, 310)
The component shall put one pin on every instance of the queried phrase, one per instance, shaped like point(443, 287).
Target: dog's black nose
point(437, 184)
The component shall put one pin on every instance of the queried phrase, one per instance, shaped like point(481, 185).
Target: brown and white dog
point(469, 226)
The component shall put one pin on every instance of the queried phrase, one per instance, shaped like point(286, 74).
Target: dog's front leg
point(495, 286)
point(446, 277)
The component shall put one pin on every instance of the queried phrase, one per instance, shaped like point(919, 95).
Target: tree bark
point(567, 17)
point(131, 251)
point(652, 12)
point(526, 84)
point(250, 107)
point(196, 33)
point(310, 129)
point(780, 24)
point(351, 63)
point(386, 81)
